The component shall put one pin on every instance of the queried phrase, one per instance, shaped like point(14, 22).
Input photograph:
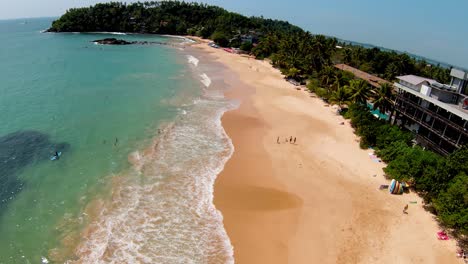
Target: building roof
point(371, 79)
point(415, 80)
point(460, 74)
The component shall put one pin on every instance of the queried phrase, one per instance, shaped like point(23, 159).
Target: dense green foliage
point(165, 17)
point(442, 181)
point(297, 54)
point(389, 64)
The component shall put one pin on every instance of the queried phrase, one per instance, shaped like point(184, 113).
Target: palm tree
point(391, 71)
point(322, 49)
point(339, 81)
point(360, 91)
point(327, 74)
point(347, 55)
point(384, 98)
point(341, 96)
point(358, 54)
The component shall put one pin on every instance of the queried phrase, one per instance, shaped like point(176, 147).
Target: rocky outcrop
point(113, 41)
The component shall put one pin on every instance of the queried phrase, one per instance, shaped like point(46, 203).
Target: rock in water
point(112, 41)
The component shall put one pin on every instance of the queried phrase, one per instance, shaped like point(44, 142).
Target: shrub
point(220, 38)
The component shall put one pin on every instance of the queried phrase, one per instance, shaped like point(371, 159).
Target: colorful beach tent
point(396, 187)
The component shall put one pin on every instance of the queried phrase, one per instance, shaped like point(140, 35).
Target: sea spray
point(205, 80)
point(192, 60)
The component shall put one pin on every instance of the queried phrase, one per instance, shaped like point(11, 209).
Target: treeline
point(298, 55)
point(389, 64)
point(441, 181)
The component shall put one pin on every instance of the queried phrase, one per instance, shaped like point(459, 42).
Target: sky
point(434, 29)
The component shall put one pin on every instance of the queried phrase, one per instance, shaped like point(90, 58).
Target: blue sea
point(141, 143)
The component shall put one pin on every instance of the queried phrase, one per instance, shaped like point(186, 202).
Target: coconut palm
point(339, 80)
point(327, 75)
point(384, 98)
point(341, 96)
point(392, 70)
point(360, 91)
point(347, 55)
point(322, 49)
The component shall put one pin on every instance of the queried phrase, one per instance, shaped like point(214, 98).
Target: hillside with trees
point(165, 17)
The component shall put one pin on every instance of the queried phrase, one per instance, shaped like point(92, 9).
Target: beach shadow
point(245, 197)
point(18, 150)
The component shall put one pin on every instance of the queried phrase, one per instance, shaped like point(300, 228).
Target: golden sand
point(316, 201)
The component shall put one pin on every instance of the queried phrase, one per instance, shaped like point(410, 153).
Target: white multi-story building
point(436, 112)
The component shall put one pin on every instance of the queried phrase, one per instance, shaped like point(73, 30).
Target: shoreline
point(317, 199)
point(99, 238)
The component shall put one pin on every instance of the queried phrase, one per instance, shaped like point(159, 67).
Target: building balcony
point(432, 114)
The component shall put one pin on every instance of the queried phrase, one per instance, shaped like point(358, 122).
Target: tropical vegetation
point(441, 181)
point(389, 64)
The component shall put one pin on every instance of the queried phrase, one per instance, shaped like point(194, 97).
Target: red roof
point(371, 79)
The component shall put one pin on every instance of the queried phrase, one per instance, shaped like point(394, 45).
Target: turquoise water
point(97, 104)
point(376, 112)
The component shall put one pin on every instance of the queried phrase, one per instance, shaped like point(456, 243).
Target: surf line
point(205, 80)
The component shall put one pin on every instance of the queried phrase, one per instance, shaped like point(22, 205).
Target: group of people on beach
point(291, 140)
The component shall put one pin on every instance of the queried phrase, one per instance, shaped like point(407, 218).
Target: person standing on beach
point(294, 140)
point(277, 140)
point(290, 139)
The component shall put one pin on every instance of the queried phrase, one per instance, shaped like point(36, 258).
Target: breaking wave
point(192, 60)
point(205, 80)
point(162, 210)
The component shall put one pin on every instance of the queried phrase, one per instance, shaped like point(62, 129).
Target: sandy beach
point(315, 201)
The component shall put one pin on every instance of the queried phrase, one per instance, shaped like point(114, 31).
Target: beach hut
point(396, 187)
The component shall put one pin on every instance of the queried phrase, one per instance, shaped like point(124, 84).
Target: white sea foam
point(163, 212)
point(192, 60)
point(205, 80)
point(110, 33)
point(185, 39)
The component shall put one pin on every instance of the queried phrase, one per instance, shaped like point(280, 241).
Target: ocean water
point(141, 140)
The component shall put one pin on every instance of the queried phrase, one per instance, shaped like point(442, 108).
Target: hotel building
point(437, 113)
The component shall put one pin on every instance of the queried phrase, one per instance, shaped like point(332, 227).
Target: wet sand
point(316, 200)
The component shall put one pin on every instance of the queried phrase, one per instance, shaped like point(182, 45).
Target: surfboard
point(55, 157)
